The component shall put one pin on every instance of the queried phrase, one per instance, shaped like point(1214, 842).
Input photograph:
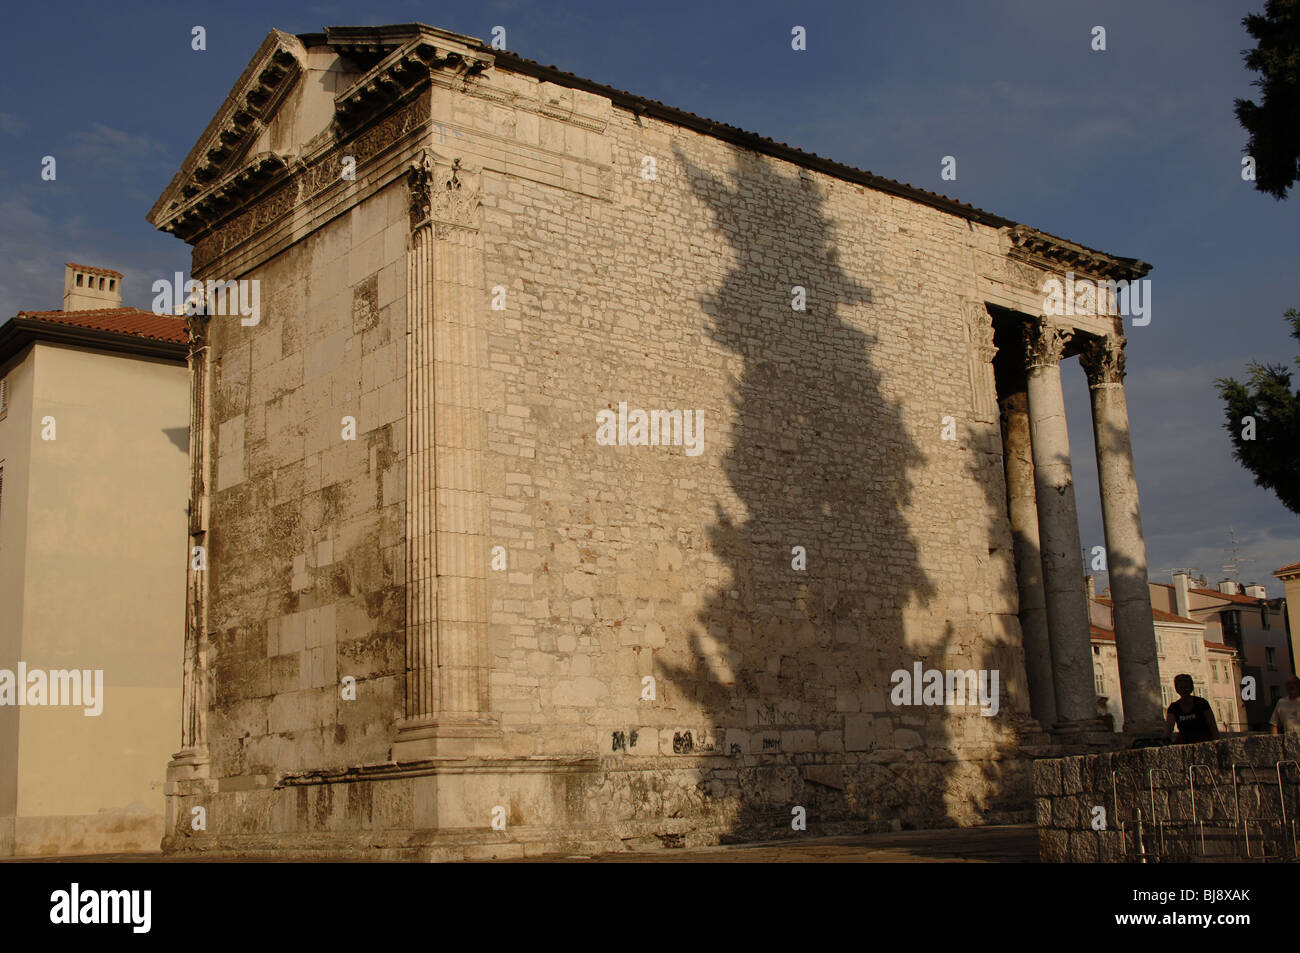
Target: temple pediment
point(219, 157)
point(296, 95)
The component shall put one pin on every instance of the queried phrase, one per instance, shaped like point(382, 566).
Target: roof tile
point(132, 321)
point(93, 269)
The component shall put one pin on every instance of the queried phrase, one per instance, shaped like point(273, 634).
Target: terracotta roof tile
point(1287, 570)
point(1242, 600)
point(1160, 615)
point(132, 321)
point(93, 269)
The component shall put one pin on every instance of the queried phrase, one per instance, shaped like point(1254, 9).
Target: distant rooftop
point(123, 330)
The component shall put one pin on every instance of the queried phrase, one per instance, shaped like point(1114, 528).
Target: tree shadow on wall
point(819, 458)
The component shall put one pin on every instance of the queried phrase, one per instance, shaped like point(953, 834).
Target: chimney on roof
point(1180, 595)
point(86, 288)
point(1229, 588)
point(1090, 582)
point(1256, 592)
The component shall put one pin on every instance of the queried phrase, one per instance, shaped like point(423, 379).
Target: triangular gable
point(224, 144)
point(235, 158)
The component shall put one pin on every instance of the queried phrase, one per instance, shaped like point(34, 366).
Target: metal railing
point(1209, 828)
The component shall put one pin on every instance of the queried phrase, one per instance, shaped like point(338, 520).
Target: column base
point(421, 738)
point(189, 764)
point(1082, 726)
point(1145, 729)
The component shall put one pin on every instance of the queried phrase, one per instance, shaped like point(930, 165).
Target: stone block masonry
point(1230, 800)
point(556, 640)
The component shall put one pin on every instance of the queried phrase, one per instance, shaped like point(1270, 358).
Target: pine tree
point(1263, 419)
point(1274, 125)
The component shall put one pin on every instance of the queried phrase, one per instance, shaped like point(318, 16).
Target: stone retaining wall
point(1219, 800)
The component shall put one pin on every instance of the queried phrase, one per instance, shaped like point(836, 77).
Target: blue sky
point(1134, 150)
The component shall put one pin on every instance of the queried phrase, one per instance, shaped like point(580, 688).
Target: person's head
point(1293, 687)
point(1183, 685)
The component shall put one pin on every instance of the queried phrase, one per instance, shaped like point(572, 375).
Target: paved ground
point(1008, 844)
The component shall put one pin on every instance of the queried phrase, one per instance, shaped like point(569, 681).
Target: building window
point(1270, 659)
point(1099, 679)
point(1214, 672)
point(111, 282)
point(1194, 649)
point(1160, 646)
point(79, 281)
point(1231, 621)
point(1166, 695)
point(1263, 616)
point(1274, 693)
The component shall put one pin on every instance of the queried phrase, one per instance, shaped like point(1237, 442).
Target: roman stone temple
point(588, 469)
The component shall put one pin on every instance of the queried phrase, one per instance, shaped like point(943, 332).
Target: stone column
point(1022, 508)
point(1126, 554)
point(447, 616)
point(188, 778)
point(1058, 523)
point(191, 762)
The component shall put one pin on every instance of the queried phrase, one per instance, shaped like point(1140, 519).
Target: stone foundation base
point(484, 808)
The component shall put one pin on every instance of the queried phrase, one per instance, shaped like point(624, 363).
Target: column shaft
point(1023, 512)
point(1126, 560)
point(1058, 522)
point(447, 608)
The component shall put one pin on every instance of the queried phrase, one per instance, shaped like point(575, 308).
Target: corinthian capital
point(441, 193)
point(1103, 360)
point(1044, 343)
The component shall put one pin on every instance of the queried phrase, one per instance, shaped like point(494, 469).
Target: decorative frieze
point(307, 181)
point(239, 229)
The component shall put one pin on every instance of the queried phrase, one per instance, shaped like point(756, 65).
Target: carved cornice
point(443, 194)
point(1103, 359)
point(195, 216)
point(403, 70)
point(304, 182)
point(1054, 254)
point(1044, 343)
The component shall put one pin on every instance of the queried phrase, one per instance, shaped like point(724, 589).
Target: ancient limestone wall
point(307, 539)
point(822, 430)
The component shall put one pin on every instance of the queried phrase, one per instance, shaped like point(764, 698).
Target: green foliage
point(1274, 455)
point(1274, 124)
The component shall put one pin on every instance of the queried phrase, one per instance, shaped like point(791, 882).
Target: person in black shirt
point(1191, 713)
